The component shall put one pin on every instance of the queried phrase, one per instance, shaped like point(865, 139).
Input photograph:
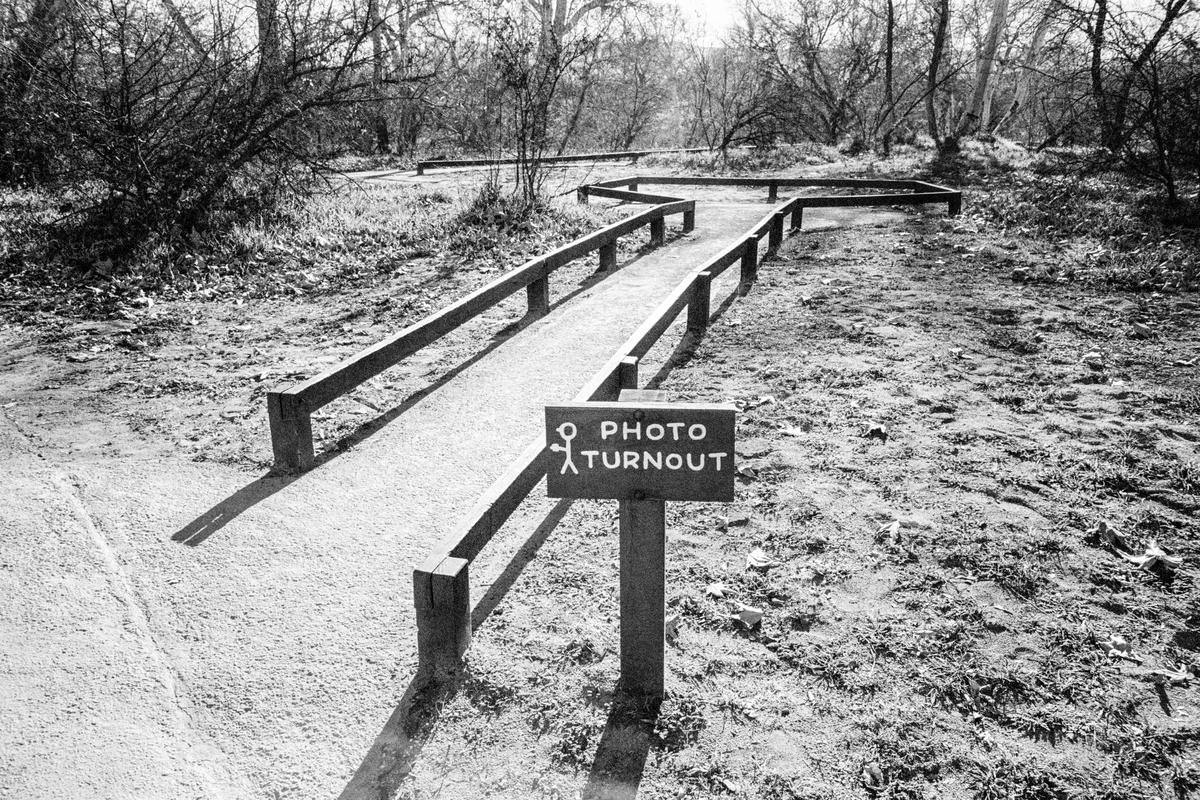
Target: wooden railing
point(903, 192)
point(441, 584)
point(621, 155)
point(290, 410)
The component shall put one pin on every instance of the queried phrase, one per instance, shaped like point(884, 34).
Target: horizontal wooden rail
point(441, 584)
point(442, 163)
point(290, 410)
point(622, 194)
point(905, 192)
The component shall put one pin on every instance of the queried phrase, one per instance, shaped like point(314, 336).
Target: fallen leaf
point(1116, 647)
point(872, 778)
point(1142, 331)
point(717, 590)
point(671, 627)
point(747, 615)
point(1180, 675)
point(1152, 558)
point(758, 559)
point(889, 532)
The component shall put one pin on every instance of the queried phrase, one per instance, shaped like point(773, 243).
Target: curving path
point(177, 629)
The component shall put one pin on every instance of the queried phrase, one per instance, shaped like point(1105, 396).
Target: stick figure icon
point(567, 431)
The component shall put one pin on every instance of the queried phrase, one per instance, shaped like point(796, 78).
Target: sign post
point(641, 451)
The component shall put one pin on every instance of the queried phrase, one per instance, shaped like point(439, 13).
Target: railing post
point(698, 304)
point(442, 598)
point(658, 231)
point(538, 294)
point(420, 168)
point(775, 237)
point(749, 265)
point(689, 219)
point(608, 256)
point(798, 218)
point(773, 191)
point(291, 432)
point(954, 204)
point(627, 374)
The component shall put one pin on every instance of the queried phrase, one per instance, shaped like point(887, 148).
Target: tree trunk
point(935, 62)
point(973, 118)
point(1099, 95)
point(379, 119)
point(186, 29)
point(1029, 62)
point(889, 86)
point(270, 65)
point(585, 86)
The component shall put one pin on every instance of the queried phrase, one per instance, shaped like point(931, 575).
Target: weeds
point(1119, 244)
point(1184, 476)
point(1006, 779)
point(338, 238)
point(736, 161)
point(679, 724)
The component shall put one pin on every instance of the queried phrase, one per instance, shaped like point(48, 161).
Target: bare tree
point(1030, 60)
point(1111, 88)
point(975, 116)
point(940, 25)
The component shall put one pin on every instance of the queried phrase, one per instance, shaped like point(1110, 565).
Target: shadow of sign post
point(641, 451)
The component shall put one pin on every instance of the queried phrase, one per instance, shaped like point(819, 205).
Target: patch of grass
point(974, 687)
point(1109, 231)
point(577, 737)
point(1019, 342)
point(740, 161)
point(679, 723)
point(1153, 756)
point(911, 751)
point(336, 238)
point(1184, 476)
point(838, 663)
point(1008, 779)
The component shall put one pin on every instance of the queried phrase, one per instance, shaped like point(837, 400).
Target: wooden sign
point(647, 451)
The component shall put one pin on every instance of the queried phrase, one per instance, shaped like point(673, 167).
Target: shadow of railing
point(233, 506)
point(620, 758)
point(395, 750)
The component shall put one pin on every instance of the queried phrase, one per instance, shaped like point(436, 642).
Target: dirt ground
point(935, 455)
point(929, 454)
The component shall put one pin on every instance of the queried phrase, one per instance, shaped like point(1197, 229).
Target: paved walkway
point(173, 630)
